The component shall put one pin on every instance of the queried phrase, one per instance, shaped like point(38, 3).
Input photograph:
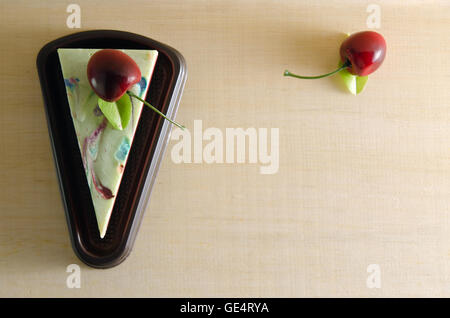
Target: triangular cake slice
point(103, 149)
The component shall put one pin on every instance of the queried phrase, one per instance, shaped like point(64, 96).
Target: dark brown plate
point(150, 141)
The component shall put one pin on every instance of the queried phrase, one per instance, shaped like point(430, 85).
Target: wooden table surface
point(362, 180)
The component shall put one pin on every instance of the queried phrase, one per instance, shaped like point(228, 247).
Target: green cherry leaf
point(360, 83)
point(124, 107)
point(111, 113)
point(355, 84)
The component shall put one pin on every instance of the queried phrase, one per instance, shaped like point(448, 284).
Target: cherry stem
point(345, 65)
point(154, 109)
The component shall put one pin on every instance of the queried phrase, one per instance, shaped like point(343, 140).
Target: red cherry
point(365, 51)
point(111, 73)
point(361, 53)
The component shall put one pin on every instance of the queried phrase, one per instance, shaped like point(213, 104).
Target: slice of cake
point(103, 149)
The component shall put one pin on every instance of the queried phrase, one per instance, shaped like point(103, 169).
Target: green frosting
point(107, 149)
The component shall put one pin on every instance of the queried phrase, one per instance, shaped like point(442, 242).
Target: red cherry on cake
point(361, 54)
point(365, 51)
point(111, 73)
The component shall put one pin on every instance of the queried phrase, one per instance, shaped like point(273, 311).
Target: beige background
point(362, 180)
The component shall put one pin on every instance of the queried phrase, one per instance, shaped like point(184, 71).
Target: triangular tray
point(148, 147)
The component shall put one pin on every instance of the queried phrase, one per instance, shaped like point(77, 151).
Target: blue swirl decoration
point(142, 84)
